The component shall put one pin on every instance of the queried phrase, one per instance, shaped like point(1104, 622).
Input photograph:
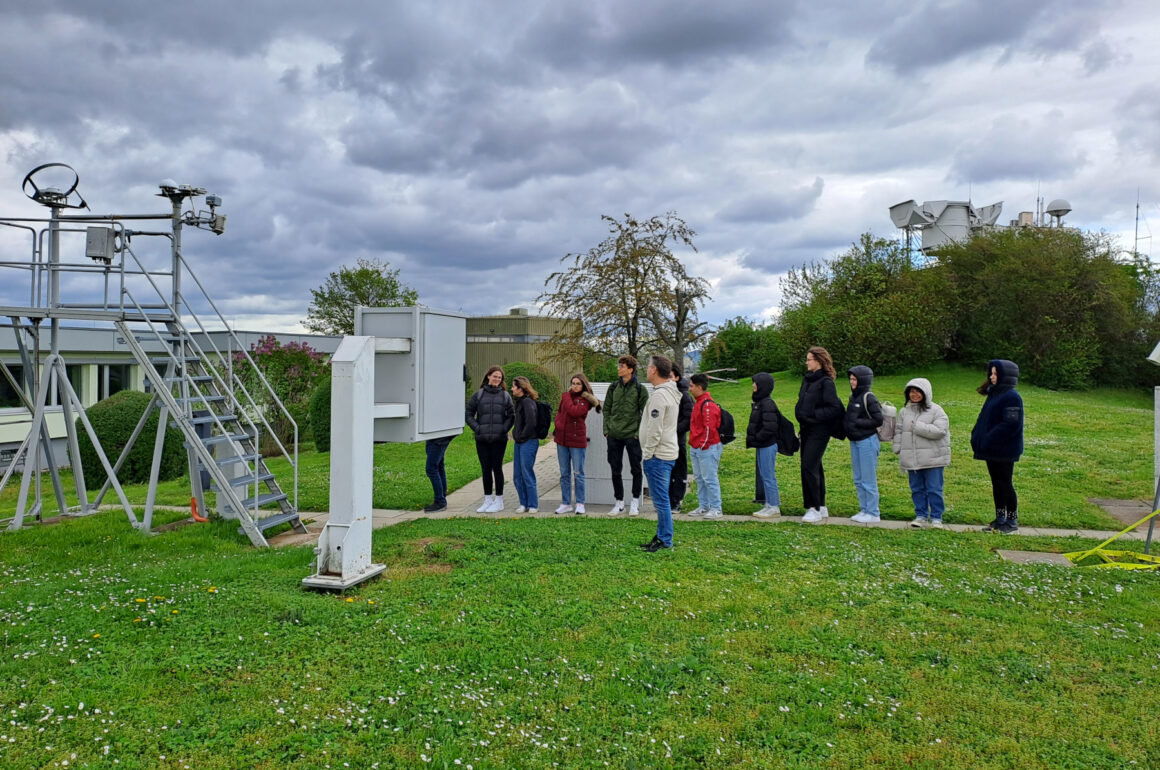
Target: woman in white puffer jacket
point(922, 441)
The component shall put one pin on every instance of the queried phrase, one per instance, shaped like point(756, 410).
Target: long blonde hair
point(524, 384)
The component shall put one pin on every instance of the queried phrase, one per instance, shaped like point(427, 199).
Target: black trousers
point(1002, 486)
point(616, 450)
point(679, 481)
point(491, 461)
point(813, 475)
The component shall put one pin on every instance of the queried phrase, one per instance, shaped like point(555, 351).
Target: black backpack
point(787, 440)
point(727, 430)
point(543, 419)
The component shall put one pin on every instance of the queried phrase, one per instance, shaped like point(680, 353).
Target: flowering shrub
point(293, 370)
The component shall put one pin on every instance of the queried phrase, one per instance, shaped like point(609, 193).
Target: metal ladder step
point(237, 459)
point(271, 497)
point(269, 522)
point(224, 438)
point(178, 359)
point(244, 480)
point(213, 399)
point(191, 378)
point(209, 420)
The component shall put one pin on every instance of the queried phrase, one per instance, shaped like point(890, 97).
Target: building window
point(114, 379)
point(8, 395)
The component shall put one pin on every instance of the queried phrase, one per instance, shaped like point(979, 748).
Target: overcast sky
point(474, 144)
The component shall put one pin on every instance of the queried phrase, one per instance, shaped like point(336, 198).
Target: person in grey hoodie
point(863, 416)
point(922, 441)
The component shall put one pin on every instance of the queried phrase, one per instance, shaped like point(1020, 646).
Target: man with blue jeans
point(705, 447)
point(437, 472)
point(658, 446)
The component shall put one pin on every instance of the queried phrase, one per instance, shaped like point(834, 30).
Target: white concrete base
point(342, 582)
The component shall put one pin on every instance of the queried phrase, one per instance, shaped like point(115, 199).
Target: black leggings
point(814, 445)
point(491, 461)
point(1002, 487)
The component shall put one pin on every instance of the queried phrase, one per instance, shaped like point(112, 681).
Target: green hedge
point(320, 416)
point(113, 420)
point(545, 383)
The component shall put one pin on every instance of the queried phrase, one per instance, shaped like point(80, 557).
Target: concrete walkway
point(463, 502)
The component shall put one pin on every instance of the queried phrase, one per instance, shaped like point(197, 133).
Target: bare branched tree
point(631, 294)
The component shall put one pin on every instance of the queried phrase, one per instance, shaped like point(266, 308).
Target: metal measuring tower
point(87, 267)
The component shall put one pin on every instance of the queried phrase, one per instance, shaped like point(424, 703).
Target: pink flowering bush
point(294, 371)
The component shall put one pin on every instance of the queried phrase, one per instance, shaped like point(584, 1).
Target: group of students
point(679, 421)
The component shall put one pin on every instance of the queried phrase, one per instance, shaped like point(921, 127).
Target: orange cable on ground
point(193, 511)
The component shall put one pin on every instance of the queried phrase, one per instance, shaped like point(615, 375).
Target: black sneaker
point(650, 543)
point(1009, 525)
point(656, 545)
point(435, 507)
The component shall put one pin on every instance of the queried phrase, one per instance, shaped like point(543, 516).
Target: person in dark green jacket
point(623, 406)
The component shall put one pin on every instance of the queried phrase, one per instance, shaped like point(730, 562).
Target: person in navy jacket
point(997, 439)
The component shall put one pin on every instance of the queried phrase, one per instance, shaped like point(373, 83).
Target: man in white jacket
point(658, 446)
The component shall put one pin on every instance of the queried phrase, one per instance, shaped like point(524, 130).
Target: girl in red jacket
point(572, 440)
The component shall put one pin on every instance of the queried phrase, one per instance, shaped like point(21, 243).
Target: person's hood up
point(764, 383)
point(865, 377)
point(923, 384)
point(683, 384)
point(1008, 372)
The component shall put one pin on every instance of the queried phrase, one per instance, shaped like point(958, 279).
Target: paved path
point(463, 502)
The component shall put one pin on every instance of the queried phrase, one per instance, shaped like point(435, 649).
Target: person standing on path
point(761, 435)
point(922, 441)
point(527, 445)
point(571, 437)
point(437, 472)
point(997, 439)
point(658, 446)
point(490, 414)
point(819, 414)
point(623, 406)
point(705, 448)
point(863, 416)
point(679, 484)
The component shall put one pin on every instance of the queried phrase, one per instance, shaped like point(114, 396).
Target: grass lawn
point(1096, 443)
point(530, 643)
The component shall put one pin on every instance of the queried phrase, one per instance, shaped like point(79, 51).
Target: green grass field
point(536, 643)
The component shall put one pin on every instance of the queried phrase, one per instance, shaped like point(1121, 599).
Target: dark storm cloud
point(936, 33)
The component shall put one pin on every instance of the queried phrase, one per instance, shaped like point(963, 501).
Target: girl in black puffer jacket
point(762, 436)
point(819, 412)
point(863, 416)
point(998, 440)
point(491, 414)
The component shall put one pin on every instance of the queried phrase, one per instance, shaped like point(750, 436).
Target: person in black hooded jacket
point(863, 416)
point(819, 414)
point(762, 436)
point(490, 413)
point(679, 480)
point(997, 439)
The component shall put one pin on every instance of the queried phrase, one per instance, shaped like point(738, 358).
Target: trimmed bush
point(113, 421)
point(545, 383)
point(320, 416)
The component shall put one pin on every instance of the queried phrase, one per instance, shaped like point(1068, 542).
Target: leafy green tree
point(746, 347)
point(868, 306)
point(371, 283)
point(1054, 300)
point(630, 292)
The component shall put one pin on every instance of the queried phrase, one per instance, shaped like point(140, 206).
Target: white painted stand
point(344, 547)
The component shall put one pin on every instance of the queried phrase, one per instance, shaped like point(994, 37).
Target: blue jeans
point(767, 472)
point(524, 471)
point(436, 470)
point(926, 490)
point(705, 464)
point(571, 462)
point(659, 472)
point(864, 458)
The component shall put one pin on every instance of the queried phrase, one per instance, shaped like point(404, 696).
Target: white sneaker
point(825, 512)
point(617, 508)
point(497, 506)
point(521, 509)
point(634, 507)
point(862, 517)
point(580, 509)
point(920, 522)
point(813, 516)
point(768, 512)
point(936, 524)
point(488, 501)
point(564, 508)
point(533, 510)
point(713, 515)
point(698, 511)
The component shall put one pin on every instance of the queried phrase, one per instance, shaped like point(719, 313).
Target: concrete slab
point(1124, 511)
point(1034, 557)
